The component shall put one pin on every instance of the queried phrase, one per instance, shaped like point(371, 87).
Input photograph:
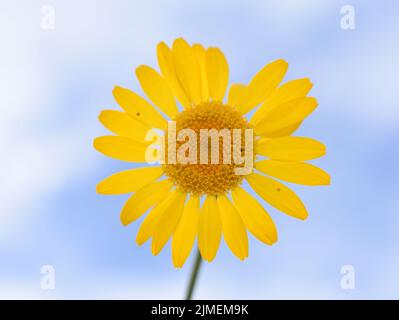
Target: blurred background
point(54, 82)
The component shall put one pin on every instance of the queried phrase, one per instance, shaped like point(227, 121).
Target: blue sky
point(54, 84)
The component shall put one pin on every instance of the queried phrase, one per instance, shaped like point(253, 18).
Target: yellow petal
point(129, 180)
point(144, 199)
point(296, 172)
point(165, 62)
point(288, 91)
point(209, 229)
point(217, 70)
point(124, 125)
point(278, 195)
point(235, 93)
point(255, 217)
point(285, 115)
point(187, 70)
point(149, 223)
point(184, 236)
point(200, 54)
point(285, 131)
point(139, 109)
point(291, 148)
point(234, 231)
point(121, 148)
point(157, 90)
point(262, 85)
point(167, 223)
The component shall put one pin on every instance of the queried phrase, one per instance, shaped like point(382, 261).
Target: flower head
point(210, 149)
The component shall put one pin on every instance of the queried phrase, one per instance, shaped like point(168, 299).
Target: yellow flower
point(197, 79)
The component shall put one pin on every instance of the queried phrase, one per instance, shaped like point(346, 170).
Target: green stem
point(194, 276)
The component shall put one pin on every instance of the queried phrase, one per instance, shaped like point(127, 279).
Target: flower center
point(209, 178)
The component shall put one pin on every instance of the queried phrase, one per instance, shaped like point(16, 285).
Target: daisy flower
point(186, 201)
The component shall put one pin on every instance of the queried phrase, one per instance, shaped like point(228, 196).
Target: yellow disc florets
point(210, 178)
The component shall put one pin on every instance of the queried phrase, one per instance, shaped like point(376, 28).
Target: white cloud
point(37, 160)
point(359, 72)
